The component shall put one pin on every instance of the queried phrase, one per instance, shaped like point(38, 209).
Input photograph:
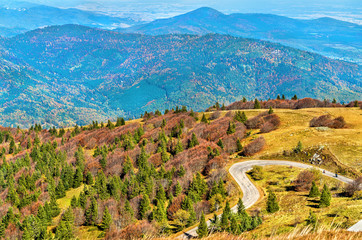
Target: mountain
point(20, 17)
point(326, 36)
point(63, 75)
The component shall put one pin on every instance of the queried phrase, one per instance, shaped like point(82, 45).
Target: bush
point(257, 173)
point(304, 181)
point(353, 187)
point(254, 147)
point(327, 121)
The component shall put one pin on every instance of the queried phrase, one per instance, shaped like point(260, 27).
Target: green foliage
point(240, 116)
point(314, 191)
point(231, 129)
point(272, 205)
point(202, 228)
point(91, 214)
point(256, 104)
point(144, 206)
point(239, 146)
point(299, 147)
point(106, 220)
point(271, 111)
point(325, 199)
point(204, 119)
point(193, 141)
point(257, 172)
point(220, 143)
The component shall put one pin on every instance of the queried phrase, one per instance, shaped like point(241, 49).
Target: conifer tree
point(295, 97)
point(283, 97)
point(204, 119)
point(179, 147)
point(91, 213)
point(2, 229)
point(193, 141)
point(60, 190)
point(12, 146)
point(144, 206)
point(239, 147)
point(231, 129)
point(161, 195)
point(89, 178)
point(224, 221)
point(202, 228)
point(181, 172)
point(278, 97)
point(325, 199)
point(220, 143)
point(74, 202)
point(272, 203)
point(178, 189)
point(314, 191)
point(270, 110)
point(159, 212)
point(257, 104)
point(241, 208)
point(106, 220)
point(78, 178)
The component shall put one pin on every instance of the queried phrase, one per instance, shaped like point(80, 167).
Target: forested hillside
point(64, 75)
point(154, 176)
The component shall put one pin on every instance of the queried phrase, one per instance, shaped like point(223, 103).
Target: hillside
point(327, 36)
point(64, 75)
point(157, 175)
point(20, 17)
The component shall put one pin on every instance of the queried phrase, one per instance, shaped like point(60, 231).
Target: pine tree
point(78, 178)
point(270, 110)
point(299, 147)
point(12, 146)
point(239, 147)
point(181, 172)
point(74, 202)
point(325, 199)
point(257, 104)
point(193, 141)
point(220, 143)
point(159, 213)
point(161, 195)
point(241, 208)
point(204, 119)
point(231, 129)
point(144, 206)
point(295, 97)
point(224, 221)
point(60, 190)
point(272, 203)
point(91, 213)
point(202, 228)
point(283, 97)
point(314, 191)
point(106, 220)
point(179, 147)
point(178, 189)
point(89, 178)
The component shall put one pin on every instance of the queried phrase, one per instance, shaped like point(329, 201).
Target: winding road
point(250, 191)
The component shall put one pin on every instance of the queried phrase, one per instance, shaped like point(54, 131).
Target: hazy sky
point(343, 9)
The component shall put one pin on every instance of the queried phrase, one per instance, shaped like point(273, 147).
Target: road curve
point(250, 192)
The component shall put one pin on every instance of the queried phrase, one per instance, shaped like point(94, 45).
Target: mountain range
point(20, 17)
point(63, 75)
point(326, 36)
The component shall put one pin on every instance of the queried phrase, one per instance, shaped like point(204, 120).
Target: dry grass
point(345, 143)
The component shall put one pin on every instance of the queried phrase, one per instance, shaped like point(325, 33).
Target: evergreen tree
point(159, 213)
point(204, 119)
point(257, 104)
point(283, 97)
point(89, 178)
point(299, 147)
point(325, 199)
point(78, 178)
point(240, 117)
point(161, 195)
point(193, 141)
point(272, 203)
point(220, 143)
point(2, 229)
point(12, 146)
point(278, 97)
point(144, 206)
point(91, 214)
point(110, 125)
point(106, 220)
point(74, 202)
point(178, 189)
point(60, 190)
point(271, 111)
point(314, 191)
point(181, 172)
point(179, 147)
point(295, 97)
point(231, 129)
point(241, 208)
point(239, 147)
point(202, 228)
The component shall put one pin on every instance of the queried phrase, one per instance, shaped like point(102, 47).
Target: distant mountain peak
point(205, 11)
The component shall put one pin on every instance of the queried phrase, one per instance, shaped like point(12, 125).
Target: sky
point(350, 10)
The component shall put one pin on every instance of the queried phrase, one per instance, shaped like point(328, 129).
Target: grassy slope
point(295, 206)
point(346, 144)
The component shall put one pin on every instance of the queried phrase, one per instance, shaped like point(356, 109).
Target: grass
point(295, 206)
point(346, 143)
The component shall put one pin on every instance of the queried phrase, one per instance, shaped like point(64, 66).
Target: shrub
point(327, 121)
point(353, 187)
point(257, 173)
point(254, 147)
point(304, 181)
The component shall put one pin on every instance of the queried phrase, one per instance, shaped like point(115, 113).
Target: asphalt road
point(251, 193)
